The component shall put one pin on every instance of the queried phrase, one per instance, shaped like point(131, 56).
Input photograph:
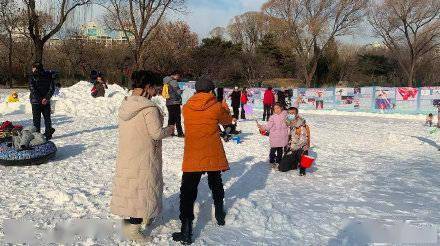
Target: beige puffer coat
point(138, 183)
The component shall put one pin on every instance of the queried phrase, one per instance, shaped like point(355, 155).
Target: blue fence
point(403, 100)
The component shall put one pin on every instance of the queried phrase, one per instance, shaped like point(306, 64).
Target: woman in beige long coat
point(138, 183)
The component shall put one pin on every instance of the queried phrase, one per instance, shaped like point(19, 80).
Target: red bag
point(94, 91)
point(6, 126)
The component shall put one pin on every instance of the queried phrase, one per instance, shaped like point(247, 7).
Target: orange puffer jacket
point(203, 146)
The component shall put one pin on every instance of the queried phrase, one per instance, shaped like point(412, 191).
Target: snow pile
point(77, 101)
point(14, 108)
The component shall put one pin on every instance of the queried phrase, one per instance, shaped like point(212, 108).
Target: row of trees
point(297, 39)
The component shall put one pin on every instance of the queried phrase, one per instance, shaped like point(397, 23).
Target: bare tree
point(310, 24)
point(410, 29)
point(8, 25)
point(249, 29)
point(218, 32)
point(43, 25)
point(137, 19)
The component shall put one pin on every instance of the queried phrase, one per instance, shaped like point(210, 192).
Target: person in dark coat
point(235, 102)
point(100, 86)
point(42, 87)
point(174, 102)
point(282, 98)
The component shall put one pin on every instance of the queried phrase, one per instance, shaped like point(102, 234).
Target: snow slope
point(368, 169)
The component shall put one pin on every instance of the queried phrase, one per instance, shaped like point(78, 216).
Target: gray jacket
point(27, 138)
point(174, 91)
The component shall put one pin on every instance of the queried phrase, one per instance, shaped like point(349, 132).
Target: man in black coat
point(235, 102)
point(42, 87)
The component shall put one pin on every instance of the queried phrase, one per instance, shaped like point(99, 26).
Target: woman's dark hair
point(430, 115)
point(142, 78)
point(269, 88)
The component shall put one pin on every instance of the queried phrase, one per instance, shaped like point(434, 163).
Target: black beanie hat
point(204, 85)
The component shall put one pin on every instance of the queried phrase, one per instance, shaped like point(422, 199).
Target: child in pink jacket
point(278, 133)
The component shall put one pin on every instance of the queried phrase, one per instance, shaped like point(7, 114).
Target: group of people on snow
point(289, 137)
point(138, 183)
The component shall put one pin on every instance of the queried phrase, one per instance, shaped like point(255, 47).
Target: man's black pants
point(188, 191)
point(236, 111)
point(37, 111)
point(175, 118)
point(267, 112)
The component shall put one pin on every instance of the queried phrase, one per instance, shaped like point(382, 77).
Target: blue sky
point(204, 15)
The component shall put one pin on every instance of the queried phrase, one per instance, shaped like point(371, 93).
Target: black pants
point(175, 118)
point(243, 113)
point(267, 112)
point(236, 110)
point(303, 170)
point(298, 154)
point(275, 155)
point(188, 191)
point(37, 111)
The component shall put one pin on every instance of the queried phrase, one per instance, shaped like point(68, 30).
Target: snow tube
point(39, 154)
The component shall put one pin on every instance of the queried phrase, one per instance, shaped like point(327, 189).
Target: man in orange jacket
point(203, 153)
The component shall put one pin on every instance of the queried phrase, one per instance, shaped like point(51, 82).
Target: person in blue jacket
point(42, 87)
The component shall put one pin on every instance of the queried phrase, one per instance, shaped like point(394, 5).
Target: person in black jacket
point(42, 87)
point(235, 102)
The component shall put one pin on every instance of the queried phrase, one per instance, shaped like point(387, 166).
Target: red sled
point(306, 161)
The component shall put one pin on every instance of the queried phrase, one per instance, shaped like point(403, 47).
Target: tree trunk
point(310, 74)
point(10, 47)
point(39, 49)
point(411, 76)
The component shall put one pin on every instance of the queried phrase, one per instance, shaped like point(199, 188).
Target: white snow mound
point(73, 101)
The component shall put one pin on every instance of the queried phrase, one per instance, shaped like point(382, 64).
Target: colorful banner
point(367, 99)
point(317, 98)
point(429, 99)
point(385, 99)
point(354, 99)
point(406, 99)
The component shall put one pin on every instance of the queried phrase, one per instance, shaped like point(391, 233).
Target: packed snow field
point(370, 170)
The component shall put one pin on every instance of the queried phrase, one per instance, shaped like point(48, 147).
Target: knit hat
point(204, 85)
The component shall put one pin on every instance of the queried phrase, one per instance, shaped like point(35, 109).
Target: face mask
point(291, 117)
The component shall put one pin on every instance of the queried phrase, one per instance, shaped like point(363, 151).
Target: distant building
point(94, 32)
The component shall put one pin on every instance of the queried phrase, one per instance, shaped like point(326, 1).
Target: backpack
point(166, 91)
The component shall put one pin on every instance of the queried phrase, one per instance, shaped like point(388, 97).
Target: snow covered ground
point(373, 174)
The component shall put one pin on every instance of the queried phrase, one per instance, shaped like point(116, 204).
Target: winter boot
point(133, 232)
point(185, 234)
point(49, 133)
point(220, 214)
